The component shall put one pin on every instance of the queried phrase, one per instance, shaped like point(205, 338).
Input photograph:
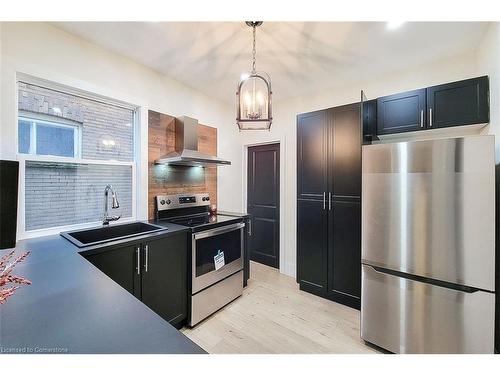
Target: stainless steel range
point(217, 243)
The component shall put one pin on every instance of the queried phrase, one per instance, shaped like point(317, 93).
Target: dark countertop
point(72, 307)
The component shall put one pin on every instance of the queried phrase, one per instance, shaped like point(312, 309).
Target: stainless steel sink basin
point(95, 236)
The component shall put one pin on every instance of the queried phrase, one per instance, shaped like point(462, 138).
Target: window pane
point(107, 130)
point(53, 140)
point(63, 194)
point(24, 136)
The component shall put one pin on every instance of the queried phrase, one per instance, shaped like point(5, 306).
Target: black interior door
point(263, 196)
point(312, 155)
point(403, 112)
point(458, 103)
point(164, 277)
point(312, 245)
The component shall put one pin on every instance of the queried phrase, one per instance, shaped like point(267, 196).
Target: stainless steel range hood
point(186, 147)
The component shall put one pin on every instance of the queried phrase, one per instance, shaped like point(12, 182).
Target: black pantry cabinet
point(328, 203)
point(154, 271)
point(458, 103)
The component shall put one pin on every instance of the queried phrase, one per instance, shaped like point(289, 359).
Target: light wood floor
point(274, 316)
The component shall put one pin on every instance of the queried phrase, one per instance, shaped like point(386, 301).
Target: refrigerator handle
point(324, 200)
point(425, 280)
point(329, 201)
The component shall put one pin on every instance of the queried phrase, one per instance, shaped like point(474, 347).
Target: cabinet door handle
point(329, 201)
point(250, 228)
point(430, 117)
point(146, 260)
point(421, 118)
point(138, 252)
point(324, 200)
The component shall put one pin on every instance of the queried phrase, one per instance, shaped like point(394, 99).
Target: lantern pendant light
point(254, 111)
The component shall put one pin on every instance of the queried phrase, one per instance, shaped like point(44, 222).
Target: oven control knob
point(168, 201)
point(207, 198)
point(162, 202)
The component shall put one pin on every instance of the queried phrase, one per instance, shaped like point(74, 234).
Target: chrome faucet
point(106, 219)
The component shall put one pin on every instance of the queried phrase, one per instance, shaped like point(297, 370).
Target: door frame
point(282, 255)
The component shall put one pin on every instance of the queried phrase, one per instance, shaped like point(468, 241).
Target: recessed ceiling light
point(392, 25)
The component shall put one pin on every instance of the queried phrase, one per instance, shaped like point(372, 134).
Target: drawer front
point(215, 297)
point(406, 316)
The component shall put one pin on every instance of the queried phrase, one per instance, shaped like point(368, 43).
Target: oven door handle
point(217, 231)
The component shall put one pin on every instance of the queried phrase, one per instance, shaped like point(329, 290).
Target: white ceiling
point(300, 57)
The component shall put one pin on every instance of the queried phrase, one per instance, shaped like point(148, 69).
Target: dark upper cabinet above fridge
point(403, 112)
point(458, 103)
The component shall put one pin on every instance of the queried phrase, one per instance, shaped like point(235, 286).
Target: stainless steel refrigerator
point(428, 245)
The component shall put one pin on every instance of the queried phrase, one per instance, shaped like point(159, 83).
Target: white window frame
point(35, 120)
point(23, 158)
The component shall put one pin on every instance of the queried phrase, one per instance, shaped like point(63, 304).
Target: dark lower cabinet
point(458, 103)
point(329, 250)
point(155, 272)
point(164, 278)
point(344, 252)
point(312, 245)
point(120, 264)
point(246, 251)
point(402, 112)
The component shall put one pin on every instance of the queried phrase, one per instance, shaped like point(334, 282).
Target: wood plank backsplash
point(170, 179)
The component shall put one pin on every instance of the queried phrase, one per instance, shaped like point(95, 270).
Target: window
point(39, 137)
point(71, 145)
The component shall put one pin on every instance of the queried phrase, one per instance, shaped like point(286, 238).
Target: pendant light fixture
point(254, 111)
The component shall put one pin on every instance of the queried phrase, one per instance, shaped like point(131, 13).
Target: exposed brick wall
point(62, 194)
point(99, 121)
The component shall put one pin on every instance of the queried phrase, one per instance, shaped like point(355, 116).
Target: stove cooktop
point(203, 220)
point(190, 210)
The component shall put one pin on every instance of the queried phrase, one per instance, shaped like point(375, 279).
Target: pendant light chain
point(254, 110)
point(253, 51)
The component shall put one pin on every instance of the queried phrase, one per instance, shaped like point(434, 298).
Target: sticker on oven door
point(219, 260)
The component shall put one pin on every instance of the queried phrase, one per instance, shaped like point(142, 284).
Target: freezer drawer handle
point(427, 280)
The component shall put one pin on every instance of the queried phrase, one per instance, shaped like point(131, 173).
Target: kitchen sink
point(95, 236)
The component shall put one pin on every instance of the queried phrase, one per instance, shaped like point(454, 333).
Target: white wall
point(488, 62)
point(44, 51)
point(284, 128)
